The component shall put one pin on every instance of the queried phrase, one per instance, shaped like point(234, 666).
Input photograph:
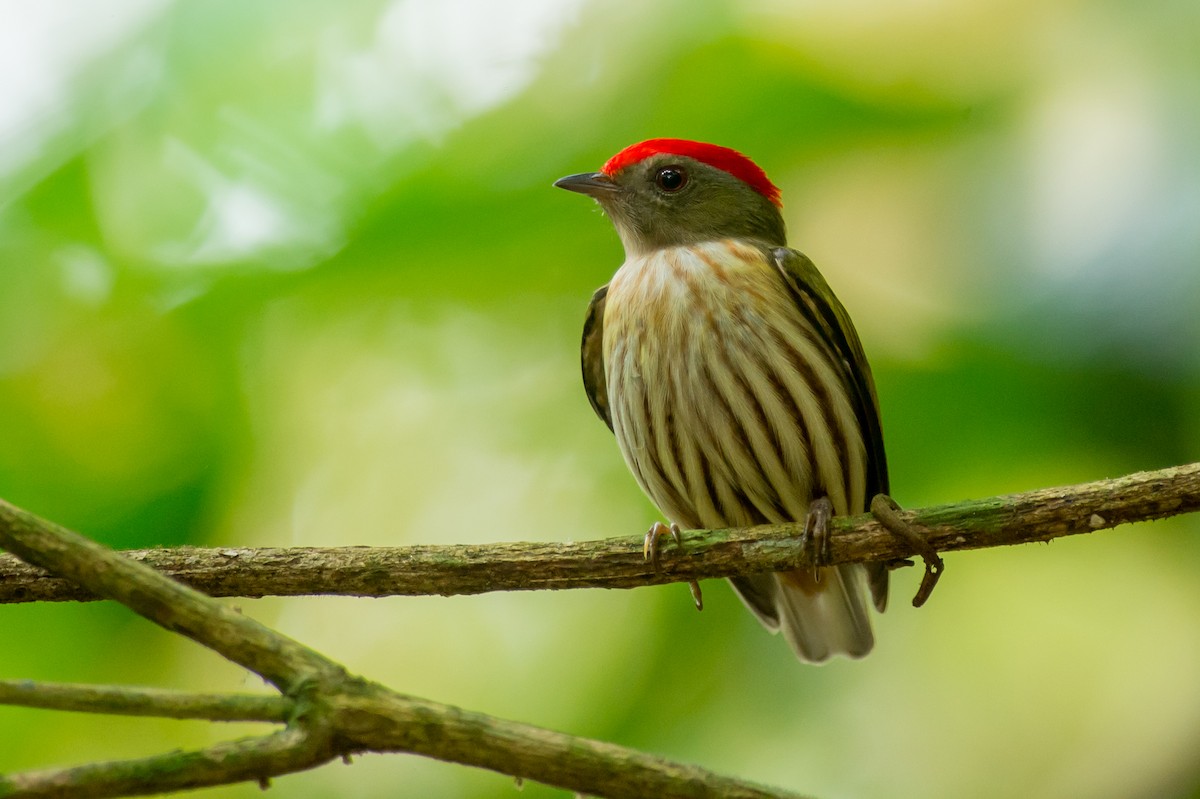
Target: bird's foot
point(652, 545)
point(887, 511)
point(814, 539)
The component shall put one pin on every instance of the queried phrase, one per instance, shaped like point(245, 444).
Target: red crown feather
point(723, 158)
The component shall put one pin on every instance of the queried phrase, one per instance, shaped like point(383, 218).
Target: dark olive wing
point(823, 310)
point(592, 356)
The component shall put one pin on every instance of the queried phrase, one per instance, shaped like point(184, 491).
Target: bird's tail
point(819, 616)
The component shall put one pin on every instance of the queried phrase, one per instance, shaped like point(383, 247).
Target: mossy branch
point(1039, 515)
point(329, 713)
point(158, 702)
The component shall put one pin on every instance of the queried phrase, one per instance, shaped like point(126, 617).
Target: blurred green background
point(293, 273)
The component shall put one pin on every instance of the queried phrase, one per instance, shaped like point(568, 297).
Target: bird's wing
point(823, 310)
point(592, 356)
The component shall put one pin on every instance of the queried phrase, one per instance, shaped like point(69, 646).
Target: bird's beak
point(593, 184)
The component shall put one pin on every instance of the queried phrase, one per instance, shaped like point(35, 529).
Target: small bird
point(732, 377)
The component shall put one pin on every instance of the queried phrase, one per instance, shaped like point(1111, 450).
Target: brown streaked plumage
point(731, 375)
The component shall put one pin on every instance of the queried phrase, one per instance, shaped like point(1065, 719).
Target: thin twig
point(255, 759)
point(618, 562)
point(131, 701)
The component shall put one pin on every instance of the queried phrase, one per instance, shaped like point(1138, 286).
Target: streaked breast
point(725, 402)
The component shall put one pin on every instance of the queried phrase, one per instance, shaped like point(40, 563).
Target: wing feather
point(821, 307)
point(592, 356)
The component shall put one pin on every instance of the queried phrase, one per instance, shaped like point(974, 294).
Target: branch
point(255, 759)
point(392, 722)
point(1039, 515)
point(332, 712)
point(169, 604)
point(156, 702)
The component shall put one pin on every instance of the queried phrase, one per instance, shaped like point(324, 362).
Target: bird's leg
point(814, 539)
point(887, 511)
point(653, 544)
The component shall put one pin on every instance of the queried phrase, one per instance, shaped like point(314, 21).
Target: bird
point(733, 378)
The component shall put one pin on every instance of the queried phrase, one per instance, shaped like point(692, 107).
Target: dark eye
point(671, 178)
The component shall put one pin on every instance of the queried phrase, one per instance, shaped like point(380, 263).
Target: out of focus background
point(285, 273)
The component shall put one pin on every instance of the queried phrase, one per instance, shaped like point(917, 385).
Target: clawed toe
point(652, 544)
point(815, 537)
point(887, 511)
point(652, 547)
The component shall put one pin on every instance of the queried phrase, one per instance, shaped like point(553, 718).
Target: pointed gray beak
point(593, 184)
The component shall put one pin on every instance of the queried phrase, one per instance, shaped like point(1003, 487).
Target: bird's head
point(671, 192)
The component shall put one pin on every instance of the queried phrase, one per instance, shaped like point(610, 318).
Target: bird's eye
point(671, 179)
